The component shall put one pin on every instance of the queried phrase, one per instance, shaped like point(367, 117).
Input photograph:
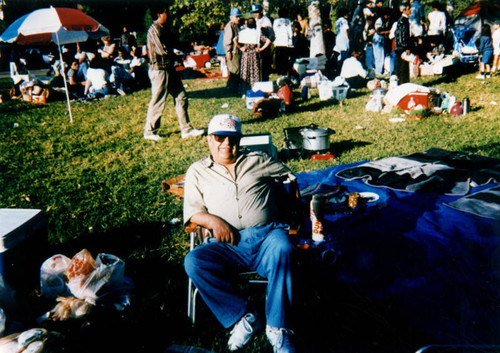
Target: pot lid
point(313, 131)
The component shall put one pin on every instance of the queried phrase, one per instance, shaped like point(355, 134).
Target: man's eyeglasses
point(233, 140)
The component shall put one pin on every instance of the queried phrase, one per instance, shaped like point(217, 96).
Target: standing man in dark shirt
point(164, 79)
point(403, 44)
point(128, 41)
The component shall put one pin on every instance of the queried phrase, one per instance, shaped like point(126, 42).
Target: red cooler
point(413, 100)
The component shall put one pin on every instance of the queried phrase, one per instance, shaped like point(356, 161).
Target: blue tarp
point(438, 266)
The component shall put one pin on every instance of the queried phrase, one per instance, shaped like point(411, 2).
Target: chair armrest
point(191, 227)
point(196, 232)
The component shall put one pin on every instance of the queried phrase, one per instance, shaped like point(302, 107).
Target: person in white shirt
point(342, 38)
point(353, 71)
point(265, 27)
point(283, 45)
point(437, 24)
point(97, 84)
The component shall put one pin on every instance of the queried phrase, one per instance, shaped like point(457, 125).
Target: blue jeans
point(265, 249)
point(392, 63)
point(369, 60)
point(378, 53)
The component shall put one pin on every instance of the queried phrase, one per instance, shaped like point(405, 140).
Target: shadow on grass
point(18, 105)
point(218, 93)
point(120, 242)
point(451, 74)
point(338, 148)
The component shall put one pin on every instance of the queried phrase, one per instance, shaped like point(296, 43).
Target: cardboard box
point(426, 70)
point(264, 86)
point(23, 244)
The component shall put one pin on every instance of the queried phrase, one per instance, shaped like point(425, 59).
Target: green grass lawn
point(98, 182)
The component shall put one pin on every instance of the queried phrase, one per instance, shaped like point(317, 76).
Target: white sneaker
point(121, 92)
point(192, 133)
point(481, 76)
point(280, 339)
point(242, 331)
point(152, 137)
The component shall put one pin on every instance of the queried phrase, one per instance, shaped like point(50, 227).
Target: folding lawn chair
point(289, 195)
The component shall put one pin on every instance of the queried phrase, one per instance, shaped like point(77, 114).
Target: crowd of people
point(102, 68)
point(258, 46)
point(230, 192)
point(385, 38)
point(93, 69)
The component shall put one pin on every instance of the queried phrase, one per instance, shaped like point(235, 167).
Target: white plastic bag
point(105, 284)
point(325, 90)
point(374, 104)
point(93, 280)
point(52, 282)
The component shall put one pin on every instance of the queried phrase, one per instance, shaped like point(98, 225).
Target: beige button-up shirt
point(247, 201)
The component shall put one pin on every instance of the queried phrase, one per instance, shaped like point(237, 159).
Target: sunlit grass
point(98, 176)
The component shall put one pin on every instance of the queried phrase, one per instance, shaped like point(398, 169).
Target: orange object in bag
point(82, 264)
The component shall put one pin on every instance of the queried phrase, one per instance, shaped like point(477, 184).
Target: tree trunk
point(317, 44)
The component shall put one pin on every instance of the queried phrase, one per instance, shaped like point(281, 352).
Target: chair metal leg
point(195, 293)
point(192, 293)
point(190, 313)
point(197, 235)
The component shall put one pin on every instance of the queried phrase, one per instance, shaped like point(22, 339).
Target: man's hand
point(221, 230)
point(224, 233)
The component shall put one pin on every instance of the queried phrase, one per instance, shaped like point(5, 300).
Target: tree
point(199, 20)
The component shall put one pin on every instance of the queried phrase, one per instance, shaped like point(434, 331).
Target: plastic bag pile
point(83, 281)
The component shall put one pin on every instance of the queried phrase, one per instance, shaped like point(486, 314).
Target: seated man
point(354, 72)
point(76, 85)
point(230, 193)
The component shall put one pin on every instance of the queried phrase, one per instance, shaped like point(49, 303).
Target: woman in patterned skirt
point(251, 42)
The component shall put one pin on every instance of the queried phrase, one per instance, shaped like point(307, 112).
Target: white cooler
point(23, 237)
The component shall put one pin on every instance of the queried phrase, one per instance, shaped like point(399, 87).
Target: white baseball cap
point(225, 124)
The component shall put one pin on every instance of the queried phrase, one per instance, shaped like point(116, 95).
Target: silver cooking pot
point(316, 139)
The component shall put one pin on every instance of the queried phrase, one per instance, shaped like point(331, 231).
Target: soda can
point(316, 225)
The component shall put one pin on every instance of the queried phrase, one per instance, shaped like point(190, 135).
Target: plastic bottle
point(456, 109)
point(316, 225)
